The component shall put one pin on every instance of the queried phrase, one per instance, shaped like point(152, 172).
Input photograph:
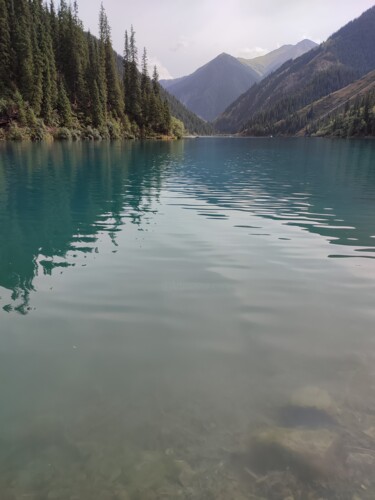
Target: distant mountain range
point(213, 87)
point(264, 65)
point(210, 89)
point(284, 102)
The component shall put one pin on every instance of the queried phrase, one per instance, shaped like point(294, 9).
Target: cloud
point(250, 53)
point(182, 43)
point(164, 74)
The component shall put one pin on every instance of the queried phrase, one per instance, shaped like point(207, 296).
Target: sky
point(182, 35)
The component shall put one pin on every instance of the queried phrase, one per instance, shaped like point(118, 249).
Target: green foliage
point(62, 134)
point(38, 131)
point(21, 109)
point(16, 133)
point(177, 128)
point(114, 130)
point(91, 134)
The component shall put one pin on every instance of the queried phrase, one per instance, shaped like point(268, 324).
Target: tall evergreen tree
point(134, 91)
point(145, 90)
point(115, 103)
point(126, 71)
point(63, 106)
point(5, 48)
point(50, 92)
point(22, 57)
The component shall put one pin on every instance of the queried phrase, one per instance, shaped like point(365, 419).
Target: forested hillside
point(355, 119)
point(346, 56)
point(57, 79)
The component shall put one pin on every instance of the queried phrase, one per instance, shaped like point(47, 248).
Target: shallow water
point(159, 301)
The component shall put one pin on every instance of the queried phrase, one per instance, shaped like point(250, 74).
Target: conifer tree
point(5, 48)
point(37, 34)
point(115, 103)
point(50, 93)
point(63, 106)
point(134, 92)
point(126, 71)
point(145, 90)
point(22, 58)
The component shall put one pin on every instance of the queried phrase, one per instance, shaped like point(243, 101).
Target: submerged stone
point(308, 453)
point(308, 407)
point(300, 416)
point(312, 397)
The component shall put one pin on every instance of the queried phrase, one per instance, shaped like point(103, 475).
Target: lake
point(164, 303)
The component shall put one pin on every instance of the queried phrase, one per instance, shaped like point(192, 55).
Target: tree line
point(56, 77)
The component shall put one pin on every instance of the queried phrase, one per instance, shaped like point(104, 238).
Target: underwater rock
point(308, 407)
point(312, 397)
point(186, 473)
point(308, 453)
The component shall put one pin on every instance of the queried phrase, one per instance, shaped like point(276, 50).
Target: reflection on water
point(162, 304)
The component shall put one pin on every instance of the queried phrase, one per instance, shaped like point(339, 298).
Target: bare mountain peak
point(264, 65)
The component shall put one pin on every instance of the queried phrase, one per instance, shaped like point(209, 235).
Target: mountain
point(345, 57)
point(211, 88)
point(264, 65)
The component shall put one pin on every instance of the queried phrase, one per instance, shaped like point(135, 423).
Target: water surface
point(159, 301)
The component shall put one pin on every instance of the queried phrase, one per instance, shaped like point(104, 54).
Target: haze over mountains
point(264, 65)
point(273, 106)
point(213, 87)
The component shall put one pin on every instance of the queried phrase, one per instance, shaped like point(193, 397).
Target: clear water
point(161, 301)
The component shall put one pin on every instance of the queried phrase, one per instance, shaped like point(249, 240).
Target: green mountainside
point(344, 58)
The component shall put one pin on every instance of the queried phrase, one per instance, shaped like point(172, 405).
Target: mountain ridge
point(212, 87)
point(345, 57)
point(264, 65)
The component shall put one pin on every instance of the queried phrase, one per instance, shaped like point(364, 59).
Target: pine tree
point(50, 92)
point(5, 48)
point(22, 57)
point(145, 91)
point(38, 62)
point(63, 106)
point(126, 71)
point(115, 103)
point(134, 92)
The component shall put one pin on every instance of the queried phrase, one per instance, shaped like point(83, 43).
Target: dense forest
point(56, 79)
point(356, 119)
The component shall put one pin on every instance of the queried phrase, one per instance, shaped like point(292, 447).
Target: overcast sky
point(182, 35)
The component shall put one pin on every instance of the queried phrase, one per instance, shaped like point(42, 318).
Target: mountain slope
point(193, 124)
point(323, 110)
point(344, 57)
point(264, 65)
point(211, 88)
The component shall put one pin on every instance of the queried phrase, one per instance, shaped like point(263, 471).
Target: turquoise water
point(160, 301)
